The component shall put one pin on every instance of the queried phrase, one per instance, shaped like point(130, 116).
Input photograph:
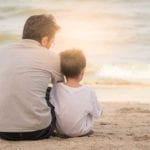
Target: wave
point(110, 8)
point(7, 37)
point(134, 73)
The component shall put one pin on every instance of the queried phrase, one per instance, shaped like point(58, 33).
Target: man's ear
point(45, 41)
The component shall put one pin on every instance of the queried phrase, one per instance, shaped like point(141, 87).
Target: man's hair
point(72, 62)
point(38, 26)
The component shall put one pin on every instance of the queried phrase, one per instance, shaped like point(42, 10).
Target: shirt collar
point(30, 42)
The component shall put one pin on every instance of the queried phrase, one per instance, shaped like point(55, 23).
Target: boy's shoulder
point(88, 88)
point(58, 84)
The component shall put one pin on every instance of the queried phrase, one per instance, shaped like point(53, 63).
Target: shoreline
point(116, 83)
point(138, 93)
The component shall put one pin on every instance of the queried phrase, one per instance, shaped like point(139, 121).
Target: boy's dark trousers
point(35, 135)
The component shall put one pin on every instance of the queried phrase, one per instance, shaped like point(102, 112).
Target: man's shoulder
point(8, 45)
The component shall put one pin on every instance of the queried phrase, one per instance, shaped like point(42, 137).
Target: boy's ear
point(82, 71)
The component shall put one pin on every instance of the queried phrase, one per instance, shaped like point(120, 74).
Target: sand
point(123, 126)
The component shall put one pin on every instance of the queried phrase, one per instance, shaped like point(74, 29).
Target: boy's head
point(73, 63)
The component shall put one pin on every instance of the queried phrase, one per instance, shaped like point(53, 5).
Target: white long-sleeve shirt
point(25, 70)
point(74, 108)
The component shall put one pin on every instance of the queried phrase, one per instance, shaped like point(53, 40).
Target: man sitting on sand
point(75, 104)
point(25, 70)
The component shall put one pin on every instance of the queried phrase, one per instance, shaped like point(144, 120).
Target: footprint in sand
point(130, 134)
point(141, 138)
point(106, 123)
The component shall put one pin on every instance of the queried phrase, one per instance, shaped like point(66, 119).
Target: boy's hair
point(38, 26)
point(72, 62)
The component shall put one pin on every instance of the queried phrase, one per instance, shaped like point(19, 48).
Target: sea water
point(114, 34)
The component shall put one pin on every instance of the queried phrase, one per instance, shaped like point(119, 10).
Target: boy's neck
point(73, 82)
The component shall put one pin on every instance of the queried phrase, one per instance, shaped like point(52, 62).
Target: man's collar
point(30, 42)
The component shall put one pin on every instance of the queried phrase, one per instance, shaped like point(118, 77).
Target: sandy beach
point(123, 126)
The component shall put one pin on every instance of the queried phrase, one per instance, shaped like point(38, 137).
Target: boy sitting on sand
point(75, 104)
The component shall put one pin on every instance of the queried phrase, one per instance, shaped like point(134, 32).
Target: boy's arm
point(96, 106)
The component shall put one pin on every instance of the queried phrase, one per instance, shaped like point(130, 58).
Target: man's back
point(25, 69)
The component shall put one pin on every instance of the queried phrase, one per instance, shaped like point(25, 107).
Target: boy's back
point(74, 108)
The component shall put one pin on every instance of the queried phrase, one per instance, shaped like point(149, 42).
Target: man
point(25, 70)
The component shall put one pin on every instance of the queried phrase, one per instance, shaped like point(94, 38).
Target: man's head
point(73, 63)
point(41, 28)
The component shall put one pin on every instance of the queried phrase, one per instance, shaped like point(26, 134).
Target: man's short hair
point(38, 26)
point(72, 62)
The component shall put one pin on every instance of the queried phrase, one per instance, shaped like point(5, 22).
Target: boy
point(75, 104)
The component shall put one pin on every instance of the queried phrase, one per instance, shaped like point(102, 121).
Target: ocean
point(114, 34)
